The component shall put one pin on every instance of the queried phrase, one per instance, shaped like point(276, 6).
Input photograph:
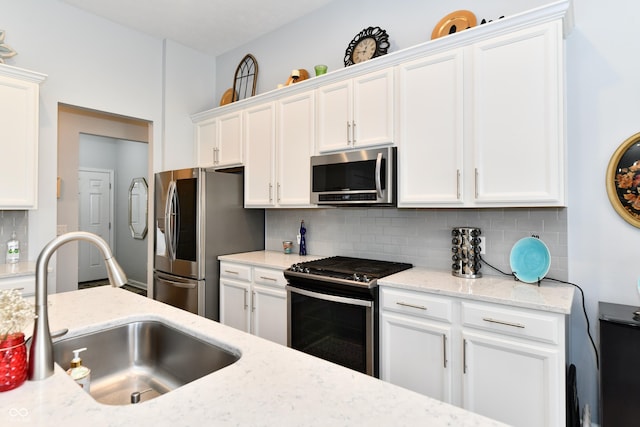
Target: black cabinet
point(619, 365)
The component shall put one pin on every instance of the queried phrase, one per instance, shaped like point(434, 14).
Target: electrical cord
point(584, 310)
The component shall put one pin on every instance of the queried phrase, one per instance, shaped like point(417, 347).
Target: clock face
point(364, 50)
point(369, 43)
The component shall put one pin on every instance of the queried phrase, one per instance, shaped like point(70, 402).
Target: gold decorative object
point(623, 180)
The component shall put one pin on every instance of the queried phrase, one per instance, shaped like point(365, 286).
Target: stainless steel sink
point(138, 361)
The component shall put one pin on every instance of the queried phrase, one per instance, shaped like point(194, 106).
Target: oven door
point(339, 329)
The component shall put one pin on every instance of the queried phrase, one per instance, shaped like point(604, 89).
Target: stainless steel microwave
point(357, 178)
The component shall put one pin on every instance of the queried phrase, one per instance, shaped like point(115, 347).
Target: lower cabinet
point(254, 300)
point(25, 284)
point(499, 361)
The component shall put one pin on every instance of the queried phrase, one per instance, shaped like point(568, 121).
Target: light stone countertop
point(18, 269)
point(549, 296)
point(271, 259)
point(270, 385)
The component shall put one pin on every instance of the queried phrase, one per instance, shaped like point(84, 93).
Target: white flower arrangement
point(15, 312)
point(5, 50)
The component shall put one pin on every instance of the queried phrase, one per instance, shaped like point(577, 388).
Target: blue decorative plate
point(530, 259)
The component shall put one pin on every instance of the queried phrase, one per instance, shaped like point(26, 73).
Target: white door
point(269, 308)
point(95, 213)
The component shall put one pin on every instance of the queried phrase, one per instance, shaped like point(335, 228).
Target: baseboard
point(136, 284)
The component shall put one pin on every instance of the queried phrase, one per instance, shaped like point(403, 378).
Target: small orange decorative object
point(454, 23)
point(13, 361)
point(297, 76)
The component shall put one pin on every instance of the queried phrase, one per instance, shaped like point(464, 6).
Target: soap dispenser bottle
point(13, 249)
point(80, 373)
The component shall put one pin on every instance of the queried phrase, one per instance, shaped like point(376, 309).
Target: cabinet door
point(518, 112)
point(334, 116)
point(229, 142)
point(206, 143)
point(414, 354)
point(431, 121)
point(519, 383)
point(260, 138)
point(234, 304)
point(18, 143)
point(373, 103)
point(269, 313)
point(296, 134)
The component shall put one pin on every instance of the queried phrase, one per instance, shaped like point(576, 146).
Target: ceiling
point(209, 26)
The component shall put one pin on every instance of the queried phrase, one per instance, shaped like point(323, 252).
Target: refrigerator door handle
point(169, 221)
point(179, 284)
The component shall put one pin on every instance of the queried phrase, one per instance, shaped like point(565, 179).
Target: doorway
point(75, 124)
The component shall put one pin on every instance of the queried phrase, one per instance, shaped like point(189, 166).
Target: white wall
point(602, 111)
point(94, 63)
point(323, 36)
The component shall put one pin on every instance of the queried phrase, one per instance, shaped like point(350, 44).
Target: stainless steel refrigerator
point(199, 215)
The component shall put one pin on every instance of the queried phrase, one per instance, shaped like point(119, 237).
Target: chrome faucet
point(41, 351)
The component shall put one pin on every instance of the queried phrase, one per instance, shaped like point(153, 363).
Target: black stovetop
point(346, 268)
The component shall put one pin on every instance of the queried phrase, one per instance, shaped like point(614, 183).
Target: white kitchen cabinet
point(415, 342)
point(219, 141)
point(279, 142)
point(504, 362)
point(431, 130)
point(513, 365)
point(254, 300)
point(25, 284)
point(518, 118)
point(482, 125)
point(19, 116)
point(357, 112)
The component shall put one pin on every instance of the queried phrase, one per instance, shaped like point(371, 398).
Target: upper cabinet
point(518, 118)
point(478, 118)
point(482, 125)
point(219, 141)
point(356, 112)
point(19, 99)
point(279, 139)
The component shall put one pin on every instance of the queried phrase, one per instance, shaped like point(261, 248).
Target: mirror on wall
point(138, 191)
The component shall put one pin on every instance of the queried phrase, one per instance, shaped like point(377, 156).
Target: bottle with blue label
point(301, 239)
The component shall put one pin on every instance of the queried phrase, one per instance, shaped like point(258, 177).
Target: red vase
point(13, 361)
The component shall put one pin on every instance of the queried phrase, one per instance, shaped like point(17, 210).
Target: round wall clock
point(369, 43)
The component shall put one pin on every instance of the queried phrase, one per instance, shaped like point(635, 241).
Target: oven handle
point(331, 298)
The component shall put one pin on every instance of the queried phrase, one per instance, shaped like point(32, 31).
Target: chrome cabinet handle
point(458, 184)
point(444, 349)
point(502, 322)
point(253, 301)
point(270, 192)
point(278, 193)
point(231, 272)
point(269, 278)
point(464, 356)
point(245, 299)
point(348, 133)
point(353, 133)
point(476, 182)
point(405, 304)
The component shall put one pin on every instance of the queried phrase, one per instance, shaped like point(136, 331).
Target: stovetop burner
point(349, 269)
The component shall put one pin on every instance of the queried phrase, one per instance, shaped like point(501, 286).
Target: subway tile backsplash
point(18, 221)
point(420, 236)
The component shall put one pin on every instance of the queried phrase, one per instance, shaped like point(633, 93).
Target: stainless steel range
point(333, 309)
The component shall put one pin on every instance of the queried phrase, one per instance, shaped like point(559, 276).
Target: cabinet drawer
point(511, 321)
point(235, 271)
point(269, 277)
point(25, 284)
point(416, 304)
